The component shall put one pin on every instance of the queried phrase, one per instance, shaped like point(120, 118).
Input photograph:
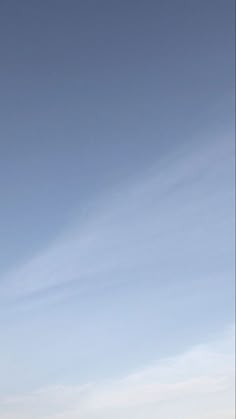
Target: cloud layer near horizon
point(197, 383)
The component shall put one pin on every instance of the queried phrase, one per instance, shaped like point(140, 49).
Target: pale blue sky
point(117, 209)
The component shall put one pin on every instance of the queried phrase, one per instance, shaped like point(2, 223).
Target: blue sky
point(117, 209)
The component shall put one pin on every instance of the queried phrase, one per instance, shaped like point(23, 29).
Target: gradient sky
point(117, 209)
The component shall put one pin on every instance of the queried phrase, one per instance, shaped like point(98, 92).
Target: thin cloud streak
point(139, 225)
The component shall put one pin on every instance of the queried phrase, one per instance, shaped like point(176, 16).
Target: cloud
point(203, 376)
point(187, 199)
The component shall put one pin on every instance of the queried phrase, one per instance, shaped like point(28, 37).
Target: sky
point(117, 162)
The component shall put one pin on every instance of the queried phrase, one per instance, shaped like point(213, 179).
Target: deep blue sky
point(92, 91)
point(116, 208)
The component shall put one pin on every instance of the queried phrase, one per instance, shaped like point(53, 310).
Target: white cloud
point(187, 199)
point(200, 381)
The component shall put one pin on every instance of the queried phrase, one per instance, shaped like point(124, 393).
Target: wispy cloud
point(201, 379)
point(187, 199)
